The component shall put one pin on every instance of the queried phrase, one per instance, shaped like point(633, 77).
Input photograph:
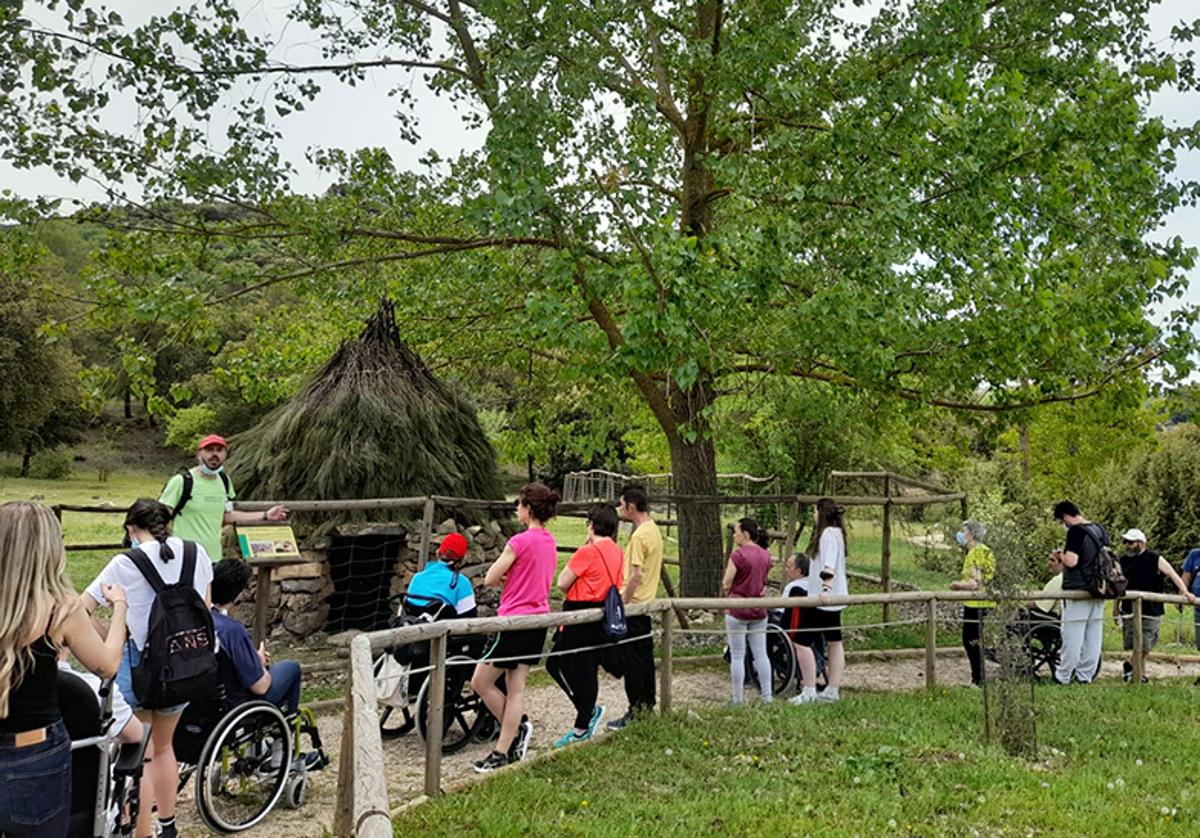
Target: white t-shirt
point(831, 556)
point(121, 710)
point(122, 571)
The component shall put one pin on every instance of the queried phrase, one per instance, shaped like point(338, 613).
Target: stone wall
point(300, 593)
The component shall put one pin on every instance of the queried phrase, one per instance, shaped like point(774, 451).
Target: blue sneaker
point(570, 738)
point(594, 724)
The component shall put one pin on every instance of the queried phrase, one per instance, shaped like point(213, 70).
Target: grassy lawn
point(121, 489)
point(1113, 761)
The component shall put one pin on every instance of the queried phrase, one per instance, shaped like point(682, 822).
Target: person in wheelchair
point(441, 584)
point(790, 619)
point(108, 745)
point(244, 670)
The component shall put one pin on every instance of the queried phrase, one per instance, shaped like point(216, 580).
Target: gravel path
point(552, 714)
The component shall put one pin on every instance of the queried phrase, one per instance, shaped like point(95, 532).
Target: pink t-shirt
point(751, 566)
point(527, 590)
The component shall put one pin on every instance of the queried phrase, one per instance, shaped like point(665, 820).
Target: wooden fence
point(363, 805)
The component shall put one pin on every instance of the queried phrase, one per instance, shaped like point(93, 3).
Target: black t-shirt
point(1142, 574)
point(1084, 541)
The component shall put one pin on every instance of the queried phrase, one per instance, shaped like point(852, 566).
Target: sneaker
point(597, 715)
point(803, 698)
point(828, 696)
point(315, 760)
point(491, 762)
point(619, 724)
point(168, 830)
point(570, 738)
point(1126, 672)
point(520, 745)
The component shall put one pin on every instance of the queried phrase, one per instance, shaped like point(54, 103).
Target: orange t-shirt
point(597, 567)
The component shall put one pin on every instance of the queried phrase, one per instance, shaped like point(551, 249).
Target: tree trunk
point(702, 560)
point(128, 402)
point(26, 458)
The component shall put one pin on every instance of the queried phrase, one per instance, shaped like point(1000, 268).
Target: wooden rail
point(363, 803)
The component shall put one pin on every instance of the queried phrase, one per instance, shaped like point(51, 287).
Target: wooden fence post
point(1138, 621)
point(789, 536)
point(930, 642)
point(362, 807)
point(434, 724)
point(885, 560)
point(262, 602)
point(666, 663)
point(426, 533)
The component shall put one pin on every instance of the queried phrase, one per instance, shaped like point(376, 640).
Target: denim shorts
point(35, 786)
point(131, 658)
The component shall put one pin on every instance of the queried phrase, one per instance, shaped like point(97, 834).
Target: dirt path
point(552, 714)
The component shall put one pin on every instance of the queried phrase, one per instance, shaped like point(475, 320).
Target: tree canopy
point(939, 201)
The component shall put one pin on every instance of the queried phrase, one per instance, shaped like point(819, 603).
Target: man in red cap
point(441, 583)
point(202, 499)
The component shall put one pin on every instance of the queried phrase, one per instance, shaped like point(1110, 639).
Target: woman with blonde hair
point(40, 614)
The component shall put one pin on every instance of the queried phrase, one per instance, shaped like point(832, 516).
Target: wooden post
point(930, 642)
point(1138, 669)
point(789, 536)
point(670, 588)
point(426, 533)
point(665, 663)
point(262, 602)
point(433, 726)
point(885, 560)
point(57, 510)
point(362, 807)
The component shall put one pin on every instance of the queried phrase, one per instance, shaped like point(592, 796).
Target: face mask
point(961, 538)
point(133, 542)
point(211, 472)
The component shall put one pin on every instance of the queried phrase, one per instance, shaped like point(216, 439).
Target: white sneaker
point(803, 698)
point(828, 696)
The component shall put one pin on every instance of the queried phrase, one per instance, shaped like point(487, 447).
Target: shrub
point(188, 426)
point(51, 464)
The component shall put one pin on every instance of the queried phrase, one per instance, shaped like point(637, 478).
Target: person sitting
point(252, 673)
point(1054, 586)
point(441, 582)
point(126, 727)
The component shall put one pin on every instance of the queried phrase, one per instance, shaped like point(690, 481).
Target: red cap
point(454, 546)
point(211, 440)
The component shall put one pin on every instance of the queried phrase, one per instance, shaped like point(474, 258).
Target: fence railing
point(363, 807)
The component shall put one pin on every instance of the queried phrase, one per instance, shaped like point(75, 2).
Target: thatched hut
point(374, 422)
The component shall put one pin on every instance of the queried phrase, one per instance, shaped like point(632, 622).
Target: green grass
point(121, 489)
point(1114, 760)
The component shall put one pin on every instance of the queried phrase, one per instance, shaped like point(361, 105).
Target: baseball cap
point(1134, 535)
point(211, 440)
point(453, 546)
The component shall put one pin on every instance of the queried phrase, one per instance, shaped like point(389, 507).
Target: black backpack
point(1106, 580)
point(614, 626)
point(179, 663)
point(189, 482)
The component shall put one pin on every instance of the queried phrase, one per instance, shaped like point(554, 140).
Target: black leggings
point(972, 638)
point(576, 672)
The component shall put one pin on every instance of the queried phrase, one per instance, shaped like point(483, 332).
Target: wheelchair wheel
point(463, 713)
point(244, 767)
point(783, 661)
point(296, 791)
point(393, 721)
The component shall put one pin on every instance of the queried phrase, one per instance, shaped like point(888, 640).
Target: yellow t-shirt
point(980, 556)
point(645, 551)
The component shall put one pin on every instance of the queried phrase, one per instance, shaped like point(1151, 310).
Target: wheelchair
point(105, 774)
point(402, 682)
point(1040, 633)
point(785, 667)
point(245, 758)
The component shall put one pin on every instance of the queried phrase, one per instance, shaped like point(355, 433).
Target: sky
point(355, 117)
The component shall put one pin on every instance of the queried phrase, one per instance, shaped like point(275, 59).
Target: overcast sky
point(355, 117)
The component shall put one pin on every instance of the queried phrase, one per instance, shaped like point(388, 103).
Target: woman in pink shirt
point(525, 572)
point(746, 576)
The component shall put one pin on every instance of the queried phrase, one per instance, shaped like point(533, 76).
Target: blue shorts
point(129, 660)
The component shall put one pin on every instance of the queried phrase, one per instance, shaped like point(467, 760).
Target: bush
point(188, 426)
point(51, 464)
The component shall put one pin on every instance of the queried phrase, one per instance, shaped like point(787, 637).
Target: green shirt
point(204, 514)
point(982, 557)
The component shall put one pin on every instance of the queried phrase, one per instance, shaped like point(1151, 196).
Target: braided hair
point(154, 518)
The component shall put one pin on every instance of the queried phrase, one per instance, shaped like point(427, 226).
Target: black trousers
point(972, 639)
point(576, 671)
point(633, 660)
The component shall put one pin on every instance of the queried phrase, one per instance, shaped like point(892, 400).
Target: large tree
point(945, 201)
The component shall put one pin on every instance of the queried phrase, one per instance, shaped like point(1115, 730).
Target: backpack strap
point(185, 494)
point(187, 573)
point(225, 482)
point(142, 562)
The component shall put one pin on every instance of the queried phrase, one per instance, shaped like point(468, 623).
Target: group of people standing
point(525, 573)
